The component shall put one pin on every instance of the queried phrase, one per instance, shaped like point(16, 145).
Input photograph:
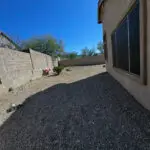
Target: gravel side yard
point(20, 94)
point(79, 110)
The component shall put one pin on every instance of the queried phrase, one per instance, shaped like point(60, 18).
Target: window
point(134, 40)
point(114, 48)
point(105, 46)
point(122, 45)
point(126, 43)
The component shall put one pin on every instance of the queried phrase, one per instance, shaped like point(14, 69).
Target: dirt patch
point(18, 96)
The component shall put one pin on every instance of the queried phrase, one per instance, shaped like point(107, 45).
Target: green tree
point(84, 52)
point(45, 44)
point(88, 52)
point(91, 52)
point(100, 47)
point(72, 55)
point(61, 47)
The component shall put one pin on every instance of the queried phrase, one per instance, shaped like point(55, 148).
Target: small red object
point(47, 70)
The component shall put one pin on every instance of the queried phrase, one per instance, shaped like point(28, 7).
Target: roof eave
point(100, 4)
point(3, 34)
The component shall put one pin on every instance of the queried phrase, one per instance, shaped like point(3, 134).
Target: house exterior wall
point(114, 12)
point(5, 43)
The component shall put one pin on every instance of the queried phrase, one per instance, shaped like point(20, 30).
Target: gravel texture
point(95, 113)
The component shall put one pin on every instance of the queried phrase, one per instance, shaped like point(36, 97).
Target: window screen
point(114, 49)
point(126, 43)
point(134, 37)
point(122, 45)
point(105, 46)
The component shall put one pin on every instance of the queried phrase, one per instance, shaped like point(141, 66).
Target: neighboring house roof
point(100, 10)
point(26, 50)
point(11, 41)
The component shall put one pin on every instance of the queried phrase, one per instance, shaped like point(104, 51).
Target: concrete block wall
point(49, 62)
point(39, 63)
point(55, 61)
point(90, 60)
point(15, 67)
point(18, 68)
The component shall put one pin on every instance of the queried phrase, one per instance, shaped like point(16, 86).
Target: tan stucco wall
point(114, 11)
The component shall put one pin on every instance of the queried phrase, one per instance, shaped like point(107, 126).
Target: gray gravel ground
point(95, 113)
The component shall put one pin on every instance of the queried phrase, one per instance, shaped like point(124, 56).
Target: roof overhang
point(10, 40)
point(100, 10)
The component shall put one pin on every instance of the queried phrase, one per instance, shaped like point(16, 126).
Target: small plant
point(58, 69)
point(10, 89)
point(68, 69)
point(104, 66)
point(46, 71)
point(14, 107)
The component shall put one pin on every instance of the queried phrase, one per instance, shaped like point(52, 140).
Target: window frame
point(105, 45)
point(142, 78)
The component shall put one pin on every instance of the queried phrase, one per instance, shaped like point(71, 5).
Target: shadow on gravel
point(92, 114)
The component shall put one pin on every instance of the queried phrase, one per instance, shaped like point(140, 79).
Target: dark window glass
point(105, 46)
point(134, 37)
point(122, 45)
point(126, 43)
point(114, 49)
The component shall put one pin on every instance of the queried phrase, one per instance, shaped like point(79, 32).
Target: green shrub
point(58, 69)
point(10, 89)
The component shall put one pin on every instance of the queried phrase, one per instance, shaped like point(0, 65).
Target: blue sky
point(73, 21)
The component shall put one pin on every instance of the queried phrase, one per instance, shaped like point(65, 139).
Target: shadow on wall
point(94, 113)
